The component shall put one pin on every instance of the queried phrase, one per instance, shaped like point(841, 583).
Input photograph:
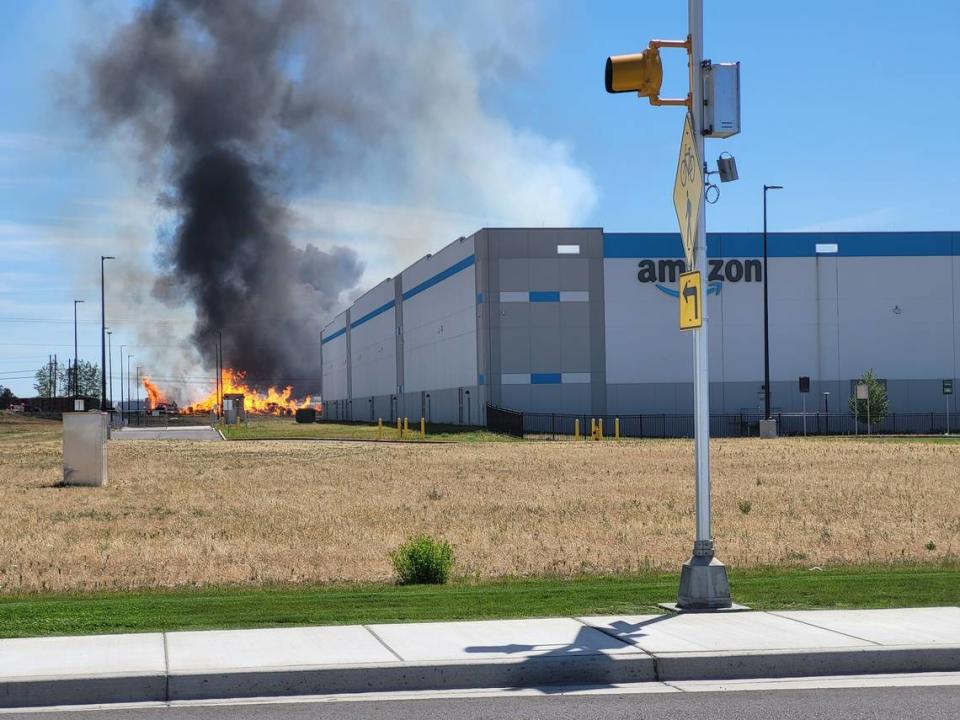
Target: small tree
point(43, 381)
point(877, 403)
point(7, 398)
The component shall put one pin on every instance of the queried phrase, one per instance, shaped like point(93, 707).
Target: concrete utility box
point(85, 448)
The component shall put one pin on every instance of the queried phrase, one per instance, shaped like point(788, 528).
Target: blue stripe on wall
point(439, 277)
point(544, 296)
point(481, 380)
point(732, 245)
point(334, 336)
point(479, 298)
point(545, 378)
point(373, 313)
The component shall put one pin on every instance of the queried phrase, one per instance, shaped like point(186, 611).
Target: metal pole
point(121, 384)
point(103, 339)
point(76, 374)
point(703, 578)
point(138, 394)
point(110, 363)
point(803, 397)
point(129, 396)
point(766, 322)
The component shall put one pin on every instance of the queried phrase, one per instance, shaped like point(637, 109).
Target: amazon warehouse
point(578, 321)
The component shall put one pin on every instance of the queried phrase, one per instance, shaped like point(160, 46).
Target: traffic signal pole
point(703, 578)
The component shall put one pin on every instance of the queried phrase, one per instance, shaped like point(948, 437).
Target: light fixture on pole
point(103, 338)
point(768, 427)
point(76, 373)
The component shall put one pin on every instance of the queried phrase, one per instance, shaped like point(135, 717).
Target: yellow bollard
point(593, 428)
point(576, 428)
point(600, 429)
point(379, 428)
point(406, 426)
point(423, 429)
point(399, 428)
point(616, 428)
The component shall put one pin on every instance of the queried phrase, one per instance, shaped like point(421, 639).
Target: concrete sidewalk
point(448, 655)
point(202, 433)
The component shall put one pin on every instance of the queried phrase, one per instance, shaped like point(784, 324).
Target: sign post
point(947, 392)
point(804, 389)
point(863, 393)
point(703, 578)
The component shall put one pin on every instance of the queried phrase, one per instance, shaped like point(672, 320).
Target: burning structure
point(272, 401)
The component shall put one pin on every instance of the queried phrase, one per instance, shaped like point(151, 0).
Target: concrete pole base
point(704, 585)
point(768, 428)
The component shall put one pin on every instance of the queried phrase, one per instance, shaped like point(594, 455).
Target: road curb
point(94, 690)
point(570, 669)
point(390, 677)
point(798, 663)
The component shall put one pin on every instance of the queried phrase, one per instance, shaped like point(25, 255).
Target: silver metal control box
point(85, 448)
point(721, 99)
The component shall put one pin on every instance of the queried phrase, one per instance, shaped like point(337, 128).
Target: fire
point(273, 401)
point(155, 396)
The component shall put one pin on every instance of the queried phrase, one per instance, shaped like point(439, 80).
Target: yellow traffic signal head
point(641, 73)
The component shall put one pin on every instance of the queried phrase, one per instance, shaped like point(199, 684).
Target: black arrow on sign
point(690, 291)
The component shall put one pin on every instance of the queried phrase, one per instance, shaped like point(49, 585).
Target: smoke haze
point(269, 122)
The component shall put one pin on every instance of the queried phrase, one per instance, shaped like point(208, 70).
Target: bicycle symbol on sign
point(687, 166)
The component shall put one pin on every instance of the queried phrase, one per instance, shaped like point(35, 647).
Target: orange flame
point(273, 401)
point(155, 395)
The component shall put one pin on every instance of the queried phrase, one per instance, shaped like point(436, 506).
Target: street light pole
point(129, 396)
point(110, 363)
point(121, 384)
point(103, 339)
point(766, 321)
point(76, 373)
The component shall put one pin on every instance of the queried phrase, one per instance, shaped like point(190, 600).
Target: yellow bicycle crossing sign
point(688, 189)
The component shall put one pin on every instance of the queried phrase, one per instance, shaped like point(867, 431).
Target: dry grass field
point(261, 512)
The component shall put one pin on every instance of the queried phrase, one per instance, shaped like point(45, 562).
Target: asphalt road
point(929, 703)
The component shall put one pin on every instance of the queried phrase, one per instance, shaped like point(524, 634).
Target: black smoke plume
point(209, 91)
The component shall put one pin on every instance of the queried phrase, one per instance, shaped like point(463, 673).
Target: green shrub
point(423, 561)
point(745, 506)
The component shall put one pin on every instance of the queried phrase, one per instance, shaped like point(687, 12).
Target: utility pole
point(56, 369)
point(103, 338)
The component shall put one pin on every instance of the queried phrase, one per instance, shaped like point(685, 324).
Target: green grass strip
point(277, 607)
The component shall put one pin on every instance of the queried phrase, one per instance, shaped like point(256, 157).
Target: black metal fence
point(664, 425)
point(509, 422)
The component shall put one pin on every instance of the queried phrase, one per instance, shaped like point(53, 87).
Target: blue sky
point(850, 105)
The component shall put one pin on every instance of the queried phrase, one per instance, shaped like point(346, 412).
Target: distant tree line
point(87, 377)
